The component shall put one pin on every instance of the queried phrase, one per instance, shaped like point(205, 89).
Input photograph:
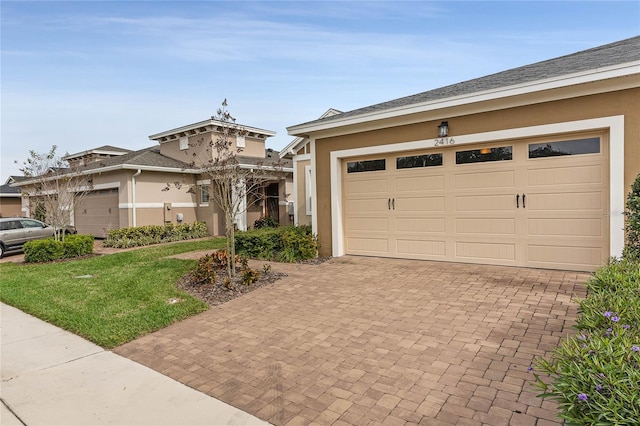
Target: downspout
point(133, 196)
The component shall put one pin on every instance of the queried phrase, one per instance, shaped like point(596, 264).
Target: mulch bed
point(219, 292)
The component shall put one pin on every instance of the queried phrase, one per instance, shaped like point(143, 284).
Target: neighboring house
point(128, 188)
point(10, 203)
point(526, 167)
point(299, 151)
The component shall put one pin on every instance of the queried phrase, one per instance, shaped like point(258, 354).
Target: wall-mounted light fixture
point(443, 129)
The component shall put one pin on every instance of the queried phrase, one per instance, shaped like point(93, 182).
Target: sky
point(82, 74)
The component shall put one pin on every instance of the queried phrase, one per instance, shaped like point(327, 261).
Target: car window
point(26, 223)
point(10, 224)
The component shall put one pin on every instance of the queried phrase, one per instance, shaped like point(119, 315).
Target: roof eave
point(210, 122)
point(594, 75)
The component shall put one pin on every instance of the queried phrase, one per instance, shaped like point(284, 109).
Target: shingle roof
point(145, 157)
point(8, 189)
point(620, 52)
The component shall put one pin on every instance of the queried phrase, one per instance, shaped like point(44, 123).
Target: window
point(184, 143)
point(240, 141)
point(366, 166)
point(30, 223)
point(557, 149)
point(412, 161)
point(484, 155)
point(204, 194)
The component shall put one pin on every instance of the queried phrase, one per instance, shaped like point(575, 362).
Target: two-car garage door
point(537, 203)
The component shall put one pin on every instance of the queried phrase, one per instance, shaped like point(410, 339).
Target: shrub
point(205, 272)
point(265, 222)
point(594, 376)
point(48, 250)
point(284, 244)
point(37, 251)
point(77, 245)
point(154, 234)
point(249, 276)
point(632, 228)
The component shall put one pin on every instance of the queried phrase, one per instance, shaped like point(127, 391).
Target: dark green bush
point(38, 251)
point(265, 222)
point(594, 376)
point(284, 244)
point(48, 250)
point(632, 228)
point(77, 245)
point(154, 234)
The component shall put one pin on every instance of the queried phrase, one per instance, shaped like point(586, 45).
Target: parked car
point(15, 231)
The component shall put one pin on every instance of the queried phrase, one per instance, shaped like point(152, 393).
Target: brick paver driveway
point(360, 340)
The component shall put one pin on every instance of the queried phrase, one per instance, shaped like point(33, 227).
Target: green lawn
point(127, 296)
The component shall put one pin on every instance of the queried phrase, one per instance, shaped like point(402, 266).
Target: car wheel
point(1, 251)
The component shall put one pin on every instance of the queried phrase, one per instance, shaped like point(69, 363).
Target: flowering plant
point(595, 375)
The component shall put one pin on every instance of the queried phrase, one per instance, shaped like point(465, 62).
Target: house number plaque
point(443, 141)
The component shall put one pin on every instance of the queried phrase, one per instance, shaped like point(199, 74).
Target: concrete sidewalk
point(53, 377)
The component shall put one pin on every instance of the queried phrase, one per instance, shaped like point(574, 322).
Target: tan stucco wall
point(625, 103)
point(200, 148)
point(10, 207)
point(213, 217)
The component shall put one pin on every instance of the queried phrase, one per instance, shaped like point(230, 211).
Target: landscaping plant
point(632, 228)
point(283, 244)
point(595, 375)
point(154, 234)
point(48, 250)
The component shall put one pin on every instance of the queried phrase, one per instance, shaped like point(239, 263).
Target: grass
point(128, 294)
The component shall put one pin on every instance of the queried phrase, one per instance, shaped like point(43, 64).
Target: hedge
point(48, 250)
point(154, 234)
point(283, 244)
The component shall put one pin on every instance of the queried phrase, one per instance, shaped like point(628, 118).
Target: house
point(10, 204)
point(127, 188)
point(299, 152)
point(526, 167)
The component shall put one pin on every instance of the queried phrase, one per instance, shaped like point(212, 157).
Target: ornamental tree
point(54, 188)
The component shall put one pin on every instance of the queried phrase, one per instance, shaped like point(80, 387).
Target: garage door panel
point(371, 224)
point(566, 201)
point(487, 226)
point(367, 187)
point(485, 180)
point(419, 183)
point(561, 255)
point(486, 250)
point(420, 204)
point(420, 224)
point(420, 248)
point(366, 205)
point(367, 245)
point(569, 227)
point(594, 174)
point(485, 203)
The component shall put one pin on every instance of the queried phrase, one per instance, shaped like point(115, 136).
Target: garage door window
point(557, 149)
point(484, 155)
point(366, 166)
point(413, 161)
